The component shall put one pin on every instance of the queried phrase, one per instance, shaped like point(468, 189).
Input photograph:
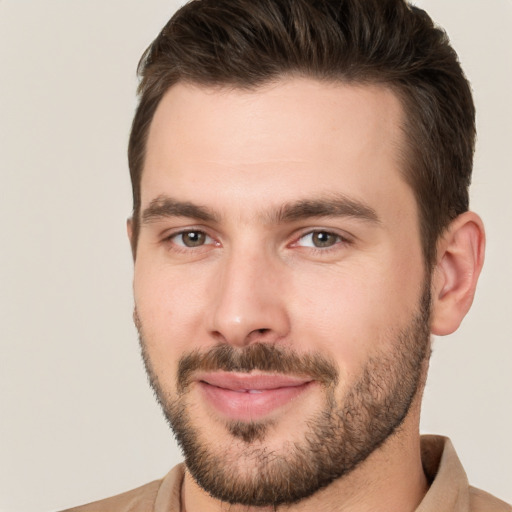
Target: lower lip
point(244, 406)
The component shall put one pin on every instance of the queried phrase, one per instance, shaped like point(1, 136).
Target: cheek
point(170, 308)
point(354, 312)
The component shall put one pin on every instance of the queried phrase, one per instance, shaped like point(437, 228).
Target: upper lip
point(248, 381)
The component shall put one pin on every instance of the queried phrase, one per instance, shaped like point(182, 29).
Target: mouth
point(250, 397)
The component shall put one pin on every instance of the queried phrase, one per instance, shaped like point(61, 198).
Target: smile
point(247, 397)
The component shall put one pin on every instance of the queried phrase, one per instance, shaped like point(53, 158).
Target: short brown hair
point(247, 43)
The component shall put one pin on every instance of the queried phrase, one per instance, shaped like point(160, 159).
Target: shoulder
point(481, 501)
point(160, 495)
point(139, 499)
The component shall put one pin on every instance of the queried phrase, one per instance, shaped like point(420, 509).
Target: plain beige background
point(77, 419)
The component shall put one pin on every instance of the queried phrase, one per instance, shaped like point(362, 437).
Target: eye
point(191, 239)
point(320, 239)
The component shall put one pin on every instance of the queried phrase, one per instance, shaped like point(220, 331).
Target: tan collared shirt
point(449, 490)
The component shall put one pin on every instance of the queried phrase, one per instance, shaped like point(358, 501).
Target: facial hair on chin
point(338, 438)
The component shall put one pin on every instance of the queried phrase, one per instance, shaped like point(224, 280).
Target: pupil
point(323, 239)
point(193, 239)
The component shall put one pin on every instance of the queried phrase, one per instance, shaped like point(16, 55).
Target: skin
point(244, 156)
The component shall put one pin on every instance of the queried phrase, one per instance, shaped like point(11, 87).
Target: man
point(300, 175)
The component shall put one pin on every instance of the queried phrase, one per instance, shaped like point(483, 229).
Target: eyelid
point(344, 238)
point(170, 235)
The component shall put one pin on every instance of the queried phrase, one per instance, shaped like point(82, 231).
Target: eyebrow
point(332, 206)
point(164, 206)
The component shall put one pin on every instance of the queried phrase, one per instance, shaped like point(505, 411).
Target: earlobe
point(460, 256)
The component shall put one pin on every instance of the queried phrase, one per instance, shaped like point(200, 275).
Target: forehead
point(275, 143)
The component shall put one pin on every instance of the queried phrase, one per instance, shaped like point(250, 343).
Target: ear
point(460, 256)
point(131, 234)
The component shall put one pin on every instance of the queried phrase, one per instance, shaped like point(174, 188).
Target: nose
point(249, 304)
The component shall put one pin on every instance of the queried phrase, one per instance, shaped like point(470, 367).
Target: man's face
point(280, 290)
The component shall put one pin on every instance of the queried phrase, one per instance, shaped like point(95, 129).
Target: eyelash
point(170, 239)
point(340, 240)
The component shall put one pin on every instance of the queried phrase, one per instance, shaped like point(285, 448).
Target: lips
point(249, 397)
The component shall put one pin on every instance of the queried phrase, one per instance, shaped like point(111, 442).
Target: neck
point(390, 479)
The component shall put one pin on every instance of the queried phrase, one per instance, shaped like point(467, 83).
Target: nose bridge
point(248, 304)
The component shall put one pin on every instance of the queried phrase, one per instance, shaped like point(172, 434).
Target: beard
point(338, 437)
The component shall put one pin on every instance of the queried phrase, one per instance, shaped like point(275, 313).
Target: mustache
point(258, 356)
